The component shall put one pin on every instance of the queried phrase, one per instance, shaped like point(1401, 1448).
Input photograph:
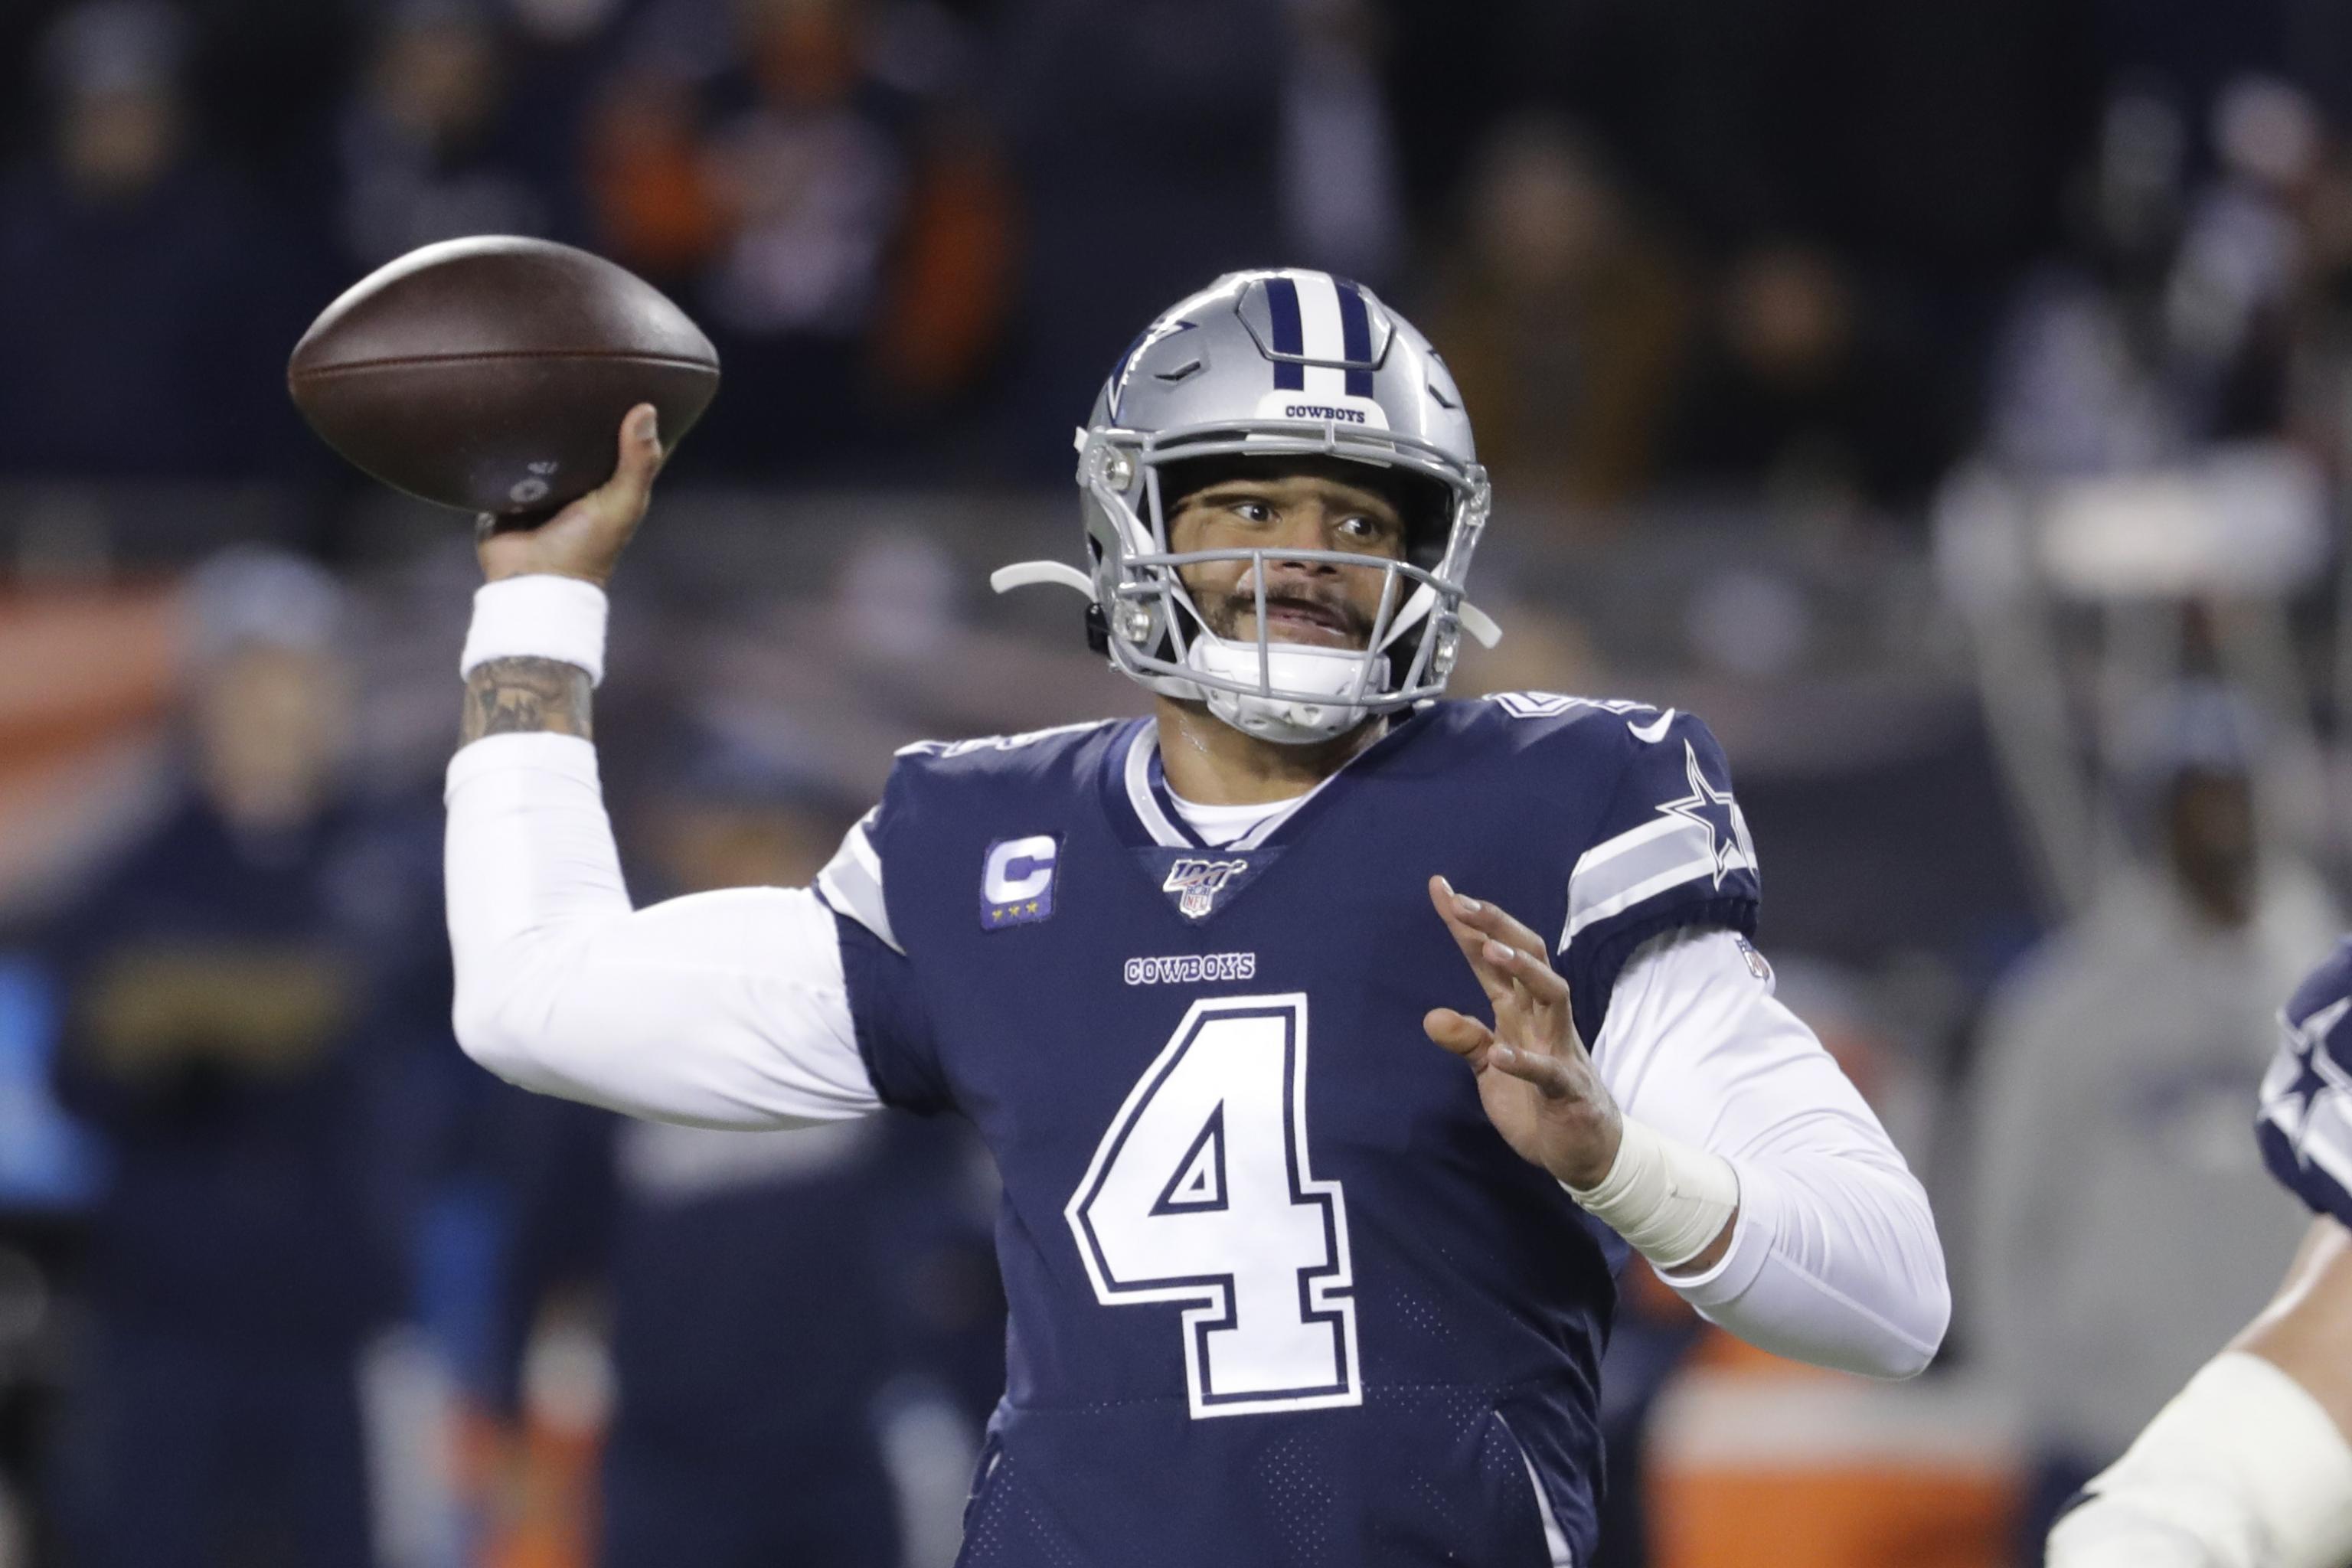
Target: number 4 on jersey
point(1201, 1193)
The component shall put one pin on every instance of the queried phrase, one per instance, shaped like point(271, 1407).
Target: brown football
point(491, 374)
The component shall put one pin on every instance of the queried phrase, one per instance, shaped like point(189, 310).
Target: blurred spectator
point(2077, 384)
point(844, 230)
point(242, 985)
point(1561, 319)
point(654, 204)
point(1801, 387)
point(1339, 178)
point(2320, 366)
point(765, 1289)
point(421, 147)
point(2171, 323)
point(2126, 1227)
point(149, 302)
point(1147, 144)
point(810, 172)
point(2226, 309)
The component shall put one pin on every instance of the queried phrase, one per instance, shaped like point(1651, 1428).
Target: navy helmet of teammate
point(1287, 1283)
point(2250, 1465)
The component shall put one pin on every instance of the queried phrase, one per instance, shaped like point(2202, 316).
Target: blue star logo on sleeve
point(1719, 814)
point(2310, 1077)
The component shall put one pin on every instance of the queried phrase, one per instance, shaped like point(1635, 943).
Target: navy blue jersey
point(1279, 1293)
point(2305, 1123)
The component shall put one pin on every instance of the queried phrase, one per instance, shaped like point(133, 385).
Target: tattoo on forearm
point(517, 696)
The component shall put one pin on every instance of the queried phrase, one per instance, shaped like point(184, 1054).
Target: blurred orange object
point(87, 675)
point(1756, 1460)
point(951, 283)
point(79, 666)
point(648, 178)
point(534, 1490)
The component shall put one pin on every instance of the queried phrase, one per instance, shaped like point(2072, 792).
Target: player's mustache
point(1352, 620)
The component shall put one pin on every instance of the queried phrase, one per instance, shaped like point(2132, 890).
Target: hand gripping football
point(491, 374)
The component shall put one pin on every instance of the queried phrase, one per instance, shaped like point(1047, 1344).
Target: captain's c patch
point(1017, 882)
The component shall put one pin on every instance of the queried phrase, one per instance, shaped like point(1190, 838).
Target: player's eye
point(1251, 510)
point(1365, 527)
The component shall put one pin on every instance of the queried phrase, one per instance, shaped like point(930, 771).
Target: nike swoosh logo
point(1655, 730)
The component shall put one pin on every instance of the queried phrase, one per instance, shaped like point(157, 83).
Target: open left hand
point(1534, 1077)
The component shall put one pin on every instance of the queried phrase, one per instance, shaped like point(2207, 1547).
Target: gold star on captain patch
point(1032, 906)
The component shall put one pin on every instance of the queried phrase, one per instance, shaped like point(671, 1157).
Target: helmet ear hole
point(1427, 508)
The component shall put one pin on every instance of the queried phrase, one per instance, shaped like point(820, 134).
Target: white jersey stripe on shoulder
point(1659, 854)
point(851, 883)
point(1618, 894)
point(997, 743)
point(1630, 841)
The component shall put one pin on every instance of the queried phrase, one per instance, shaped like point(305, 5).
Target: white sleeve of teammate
point(2242, 1469)
point(724, 1009)
point(1834, 1257)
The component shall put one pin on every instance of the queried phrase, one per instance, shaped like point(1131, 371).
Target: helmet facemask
point(1280, 690)
point(1259, 368)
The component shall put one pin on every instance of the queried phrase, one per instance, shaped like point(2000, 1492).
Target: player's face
point(1306, 601)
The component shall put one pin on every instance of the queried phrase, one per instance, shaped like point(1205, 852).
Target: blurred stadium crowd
point(1953, 404)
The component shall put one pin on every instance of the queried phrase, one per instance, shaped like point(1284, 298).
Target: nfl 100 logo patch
point(1196, 884)
point(1202, 881)
point(1017, 882)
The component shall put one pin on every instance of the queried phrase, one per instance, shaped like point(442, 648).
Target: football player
point(2249, 1465)
point(1289, 1283)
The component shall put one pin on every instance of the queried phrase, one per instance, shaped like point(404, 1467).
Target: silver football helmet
point(1283, 363)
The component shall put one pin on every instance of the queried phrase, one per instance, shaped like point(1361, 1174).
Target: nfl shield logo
point(1197, 883)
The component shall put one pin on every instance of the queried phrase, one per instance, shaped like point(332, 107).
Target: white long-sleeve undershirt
point(729, 1009)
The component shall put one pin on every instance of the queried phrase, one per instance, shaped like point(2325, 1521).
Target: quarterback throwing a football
point(1334, 1040)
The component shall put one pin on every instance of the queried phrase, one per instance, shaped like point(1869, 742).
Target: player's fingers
point(1494, 921)
point(1473, 943)
point(1457, 1032)
point(1547, 1073)
point(1476, 921)
point(641, 455)
point(1540, 981)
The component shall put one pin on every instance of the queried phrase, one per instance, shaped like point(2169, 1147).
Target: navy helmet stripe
point(1289, 336)
point(1355, 336)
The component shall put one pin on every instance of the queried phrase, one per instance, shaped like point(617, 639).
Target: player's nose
point(1306, 527)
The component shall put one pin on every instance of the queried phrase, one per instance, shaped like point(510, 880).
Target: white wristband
point(538, 617)
point(1667, 1199)
point(2244, 1470)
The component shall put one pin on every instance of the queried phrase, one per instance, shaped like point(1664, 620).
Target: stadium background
point(1949, 403)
